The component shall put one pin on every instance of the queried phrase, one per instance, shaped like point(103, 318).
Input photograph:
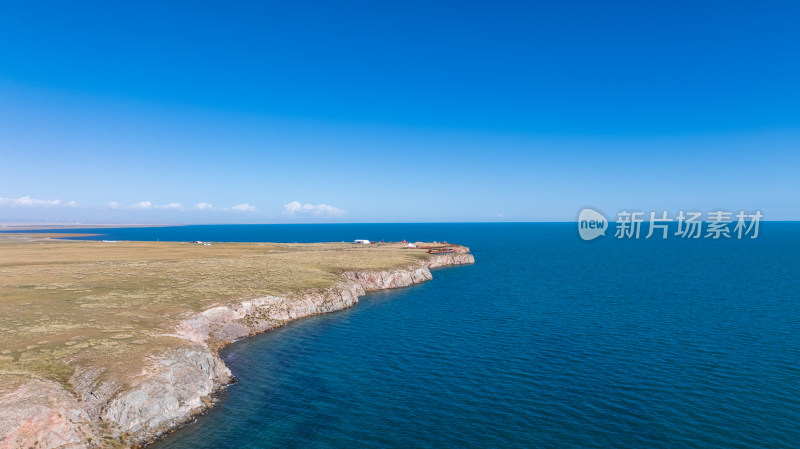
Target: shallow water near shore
point(547, 341)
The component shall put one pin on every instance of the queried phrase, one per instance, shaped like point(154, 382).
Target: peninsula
point(111, 344)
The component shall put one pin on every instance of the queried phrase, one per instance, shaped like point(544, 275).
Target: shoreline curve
point(172, 389)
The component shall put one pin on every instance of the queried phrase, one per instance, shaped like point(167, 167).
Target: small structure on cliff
point(361, 241)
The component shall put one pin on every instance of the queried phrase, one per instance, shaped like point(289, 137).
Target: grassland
point(65, 304)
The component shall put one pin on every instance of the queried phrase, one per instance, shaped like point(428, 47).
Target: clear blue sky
point(405, 111)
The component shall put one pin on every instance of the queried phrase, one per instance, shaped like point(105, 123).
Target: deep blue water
point(546, 342)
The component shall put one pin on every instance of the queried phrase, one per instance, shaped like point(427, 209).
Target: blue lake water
point(547, 341)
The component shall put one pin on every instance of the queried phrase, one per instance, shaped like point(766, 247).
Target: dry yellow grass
point(65, 304)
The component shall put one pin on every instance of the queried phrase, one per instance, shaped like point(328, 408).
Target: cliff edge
point(173, 387)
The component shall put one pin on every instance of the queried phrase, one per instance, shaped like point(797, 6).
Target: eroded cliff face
point(41, 413)
point(174, 387)
point(168, 392)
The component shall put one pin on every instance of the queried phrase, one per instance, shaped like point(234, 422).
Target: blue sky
point(207, 112)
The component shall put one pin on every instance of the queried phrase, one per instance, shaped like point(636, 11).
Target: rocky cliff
point(174, 387)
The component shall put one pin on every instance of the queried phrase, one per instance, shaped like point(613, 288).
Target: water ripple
point(653, 346)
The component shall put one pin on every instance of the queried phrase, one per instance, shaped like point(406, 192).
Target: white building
point(363, 242)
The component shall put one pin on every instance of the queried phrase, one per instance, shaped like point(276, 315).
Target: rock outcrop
point(174, 387)
point(41, 413)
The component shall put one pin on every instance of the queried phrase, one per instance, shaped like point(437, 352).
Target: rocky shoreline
point(170, 390)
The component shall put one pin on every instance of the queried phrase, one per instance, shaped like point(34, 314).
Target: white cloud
point(27, 201)
point(170, 206)
point(72, 203)
point(178, 206)
point(146, 205)
point(296, 209)
point(244, 207)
